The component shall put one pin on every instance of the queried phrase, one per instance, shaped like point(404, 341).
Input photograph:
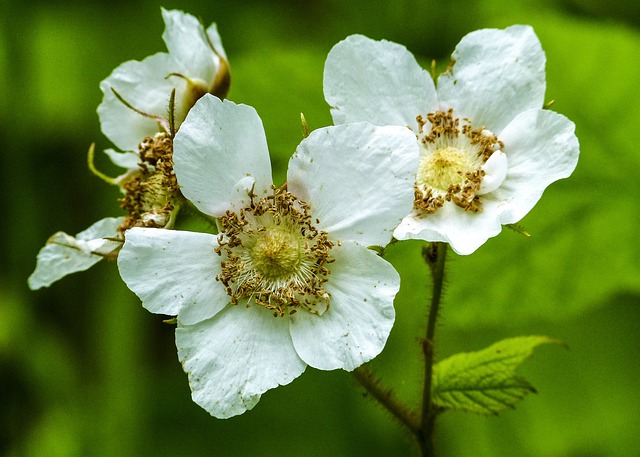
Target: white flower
point(136, 100)
point(289, 280)
point(134, 115)
point(488, 149)
point(195, 64)
point(151, 199)
point(64, 254)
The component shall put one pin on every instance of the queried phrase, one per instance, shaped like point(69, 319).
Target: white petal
point(187, 44)
point(236, 356)
point(173, 272)
point(542, 148)
point(355, 328)
point(219, 144)
point(497, 74)
point(495, 170)
point(145, 87)
point(376, 81)
point(64, 254)
point(216, 41)
point(240, 195)
point(358, 179)
point(465, 231)
point(196, 59)
point(127, 159)
point(104, 228)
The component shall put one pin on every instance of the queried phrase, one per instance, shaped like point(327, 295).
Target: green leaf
point(485, 382)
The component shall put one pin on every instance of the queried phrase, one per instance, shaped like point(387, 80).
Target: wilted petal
point(145, 87)
point(64, 254)
point(190, 68)
point(185, 38)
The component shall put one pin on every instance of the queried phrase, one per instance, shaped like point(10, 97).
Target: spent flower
point(144, 103)
point(289, 280)
point(488, 149)
point(137, 93)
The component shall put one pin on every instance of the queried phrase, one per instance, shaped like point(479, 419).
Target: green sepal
point(485, 382)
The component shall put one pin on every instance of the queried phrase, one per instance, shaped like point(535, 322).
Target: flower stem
point(434, 255)
point(385, 397)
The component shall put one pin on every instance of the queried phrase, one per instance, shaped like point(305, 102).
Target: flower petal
point(357, 178)
point(236, 356)
point(147, 85)
point(64, 254)
point(497, 74)
point(542, 147)
point(495, 170)
point(356, 326)
point(127, 159)
point(464, 230)
point(376, 81)
point(188, 45)
point(219, 144)
point(173, 272)
point(144, 86)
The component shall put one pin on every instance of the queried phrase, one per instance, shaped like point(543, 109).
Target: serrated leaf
point(485, 382)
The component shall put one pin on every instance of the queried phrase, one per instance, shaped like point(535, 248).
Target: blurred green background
point(85, 371)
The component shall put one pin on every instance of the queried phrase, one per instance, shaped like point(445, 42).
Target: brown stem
point(385, 397)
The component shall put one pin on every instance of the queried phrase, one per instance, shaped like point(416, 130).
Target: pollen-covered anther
point(151, 194)
point(274, 256)
point(451, 160)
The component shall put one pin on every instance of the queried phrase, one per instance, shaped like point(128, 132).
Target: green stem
point(434, 255)
point(385, 397)
point(422, 429)
point(94, 170)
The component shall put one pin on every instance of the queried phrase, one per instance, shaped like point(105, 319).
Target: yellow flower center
point(274, 256)
point(451, 160)
point(444, 167)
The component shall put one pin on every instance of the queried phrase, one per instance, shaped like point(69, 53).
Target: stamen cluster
point(451, 160)
point(151, 194)
point(274, 255)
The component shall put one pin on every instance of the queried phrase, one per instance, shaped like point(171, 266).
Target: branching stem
point(386, 398)
point(420, 426)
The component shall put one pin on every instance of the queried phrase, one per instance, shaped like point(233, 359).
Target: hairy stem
point(385, 397)
point(421, 427)
point(434, 255)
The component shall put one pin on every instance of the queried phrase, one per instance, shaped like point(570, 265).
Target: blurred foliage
point(85, 371)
